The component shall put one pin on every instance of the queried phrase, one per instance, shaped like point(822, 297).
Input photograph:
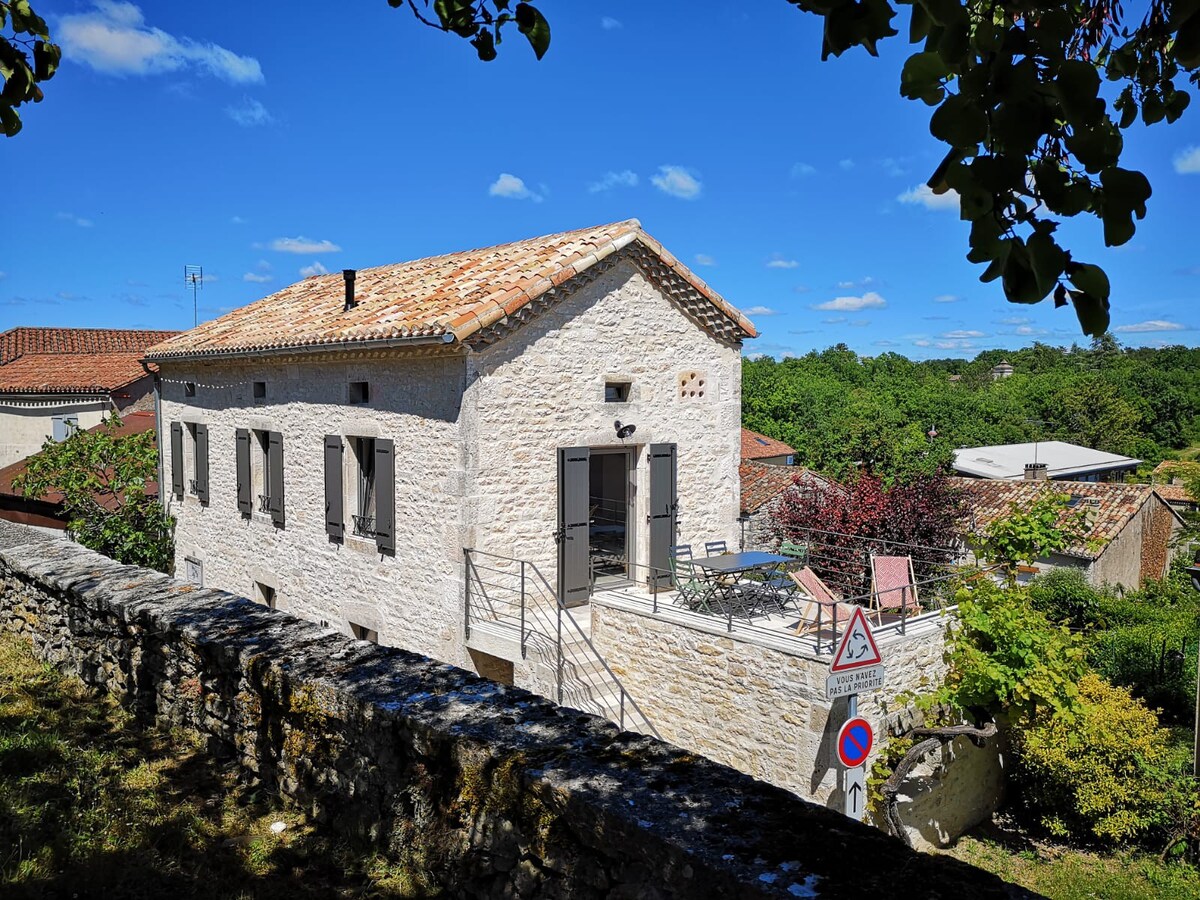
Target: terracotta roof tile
point(991, 499)
point(759, 446)
point(452, 296)
point(762, 483)
point(73, 373)
point(19, 341)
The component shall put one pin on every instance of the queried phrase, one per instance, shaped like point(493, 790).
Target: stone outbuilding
point(571, 401)
point(1130, 526)
point(56, 380)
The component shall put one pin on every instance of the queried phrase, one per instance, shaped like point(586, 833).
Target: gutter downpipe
point(158, 443)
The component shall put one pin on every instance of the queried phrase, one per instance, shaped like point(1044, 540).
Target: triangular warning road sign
point(857, 648)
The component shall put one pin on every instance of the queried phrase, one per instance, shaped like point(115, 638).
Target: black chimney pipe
point(349, 274)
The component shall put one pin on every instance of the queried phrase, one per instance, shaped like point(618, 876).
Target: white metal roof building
point(1062, 461)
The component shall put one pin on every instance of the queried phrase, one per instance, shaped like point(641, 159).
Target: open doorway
point(610, 520)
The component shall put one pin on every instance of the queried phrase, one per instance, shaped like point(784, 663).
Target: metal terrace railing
point(513, 593)
point(264, 503)
point(936, 595)
point(364, 526)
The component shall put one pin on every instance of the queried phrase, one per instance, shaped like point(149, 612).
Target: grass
point(91, 804)
point(1066, 873)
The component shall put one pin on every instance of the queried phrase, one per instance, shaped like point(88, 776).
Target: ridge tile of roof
point(80, 373)
point(448, 297)
point(759, 446)
point(26, 339)
point(991, 499)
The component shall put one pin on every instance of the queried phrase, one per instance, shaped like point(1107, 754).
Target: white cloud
point(780, 263)
point(303, 245)
point(869, 300)
point(1187, 161)
point(946, 298)
point(960, 334)
point(845, 164)
point(237, 220)
point(703, 259)
point(624, 178)
point(1029, 331)
point(800, 169)
point(953, 344)
point(249, 113)
point(315, 269)
point(922, 342)
point(677, 181)
point(859, 323)
point(893, 167)
point(861, 283)
point(75, 220)
point(760, 311)
point(113, 37)
point(923, 195)
point(1149, 326)
point(608, 23)
point(261, 273)
point(1014, 320)
point(3, 275)
point(512, 188)
point(834, 320)
point(884, 343)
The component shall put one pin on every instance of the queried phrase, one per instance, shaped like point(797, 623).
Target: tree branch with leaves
point(27, 58)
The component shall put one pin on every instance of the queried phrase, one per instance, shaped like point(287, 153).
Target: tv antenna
point(193, 277)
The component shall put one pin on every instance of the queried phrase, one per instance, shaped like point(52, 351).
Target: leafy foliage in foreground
point(27, 58)
point(1030, 533)
point(102, 475)
point(1020, 101)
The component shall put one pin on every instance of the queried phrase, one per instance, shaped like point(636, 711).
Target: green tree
point(1017, 87)
point(27, 58)
point(102, 475)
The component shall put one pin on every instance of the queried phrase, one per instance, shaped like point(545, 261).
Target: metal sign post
point(857, 667)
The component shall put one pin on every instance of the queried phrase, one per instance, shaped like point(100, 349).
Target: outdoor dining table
point(721, 572)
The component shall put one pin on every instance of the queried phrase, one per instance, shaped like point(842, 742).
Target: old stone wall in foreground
point(482, 790)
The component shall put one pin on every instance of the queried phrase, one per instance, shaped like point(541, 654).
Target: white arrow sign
point(855, 791)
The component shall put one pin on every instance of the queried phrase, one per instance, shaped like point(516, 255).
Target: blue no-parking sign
point(854, 742)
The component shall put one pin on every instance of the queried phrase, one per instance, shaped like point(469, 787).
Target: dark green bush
point(1064, 595)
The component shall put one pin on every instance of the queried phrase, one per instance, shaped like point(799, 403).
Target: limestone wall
point(26, 423)
point(480, 790)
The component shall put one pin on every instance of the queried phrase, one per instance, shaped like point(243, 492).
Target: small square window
point(360, 392)
point(362, 633)
point(189, 389)
point(264, 594)
point(616, 392)
point(260, 391)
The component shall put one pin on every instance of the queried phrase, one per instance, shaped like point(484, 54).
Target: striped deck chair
point(893, 585)
point(819, 603)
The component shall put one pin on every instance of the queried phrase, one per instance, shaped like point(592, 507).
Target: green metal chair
point(691, 590)
point(797, 551)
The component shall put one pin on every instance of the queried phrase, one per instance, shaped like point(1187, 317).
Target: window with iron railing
point(192, 486)
point(364, 526)
point(264, 503)
point(364, 455)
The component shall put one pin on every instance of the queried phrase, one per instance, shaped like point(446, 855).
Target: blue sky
point(298, 137)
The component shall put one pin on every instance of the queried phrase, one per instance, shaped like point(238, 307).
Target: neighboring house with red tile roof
point(1131, 526)
point(1170, 480)
point(53, 380)
point(47, 510)
point(760, 448)
point(571, 401)
point(763, 485)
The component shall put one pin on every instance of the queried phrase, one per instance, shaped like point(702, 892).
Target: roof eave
point(445, 340)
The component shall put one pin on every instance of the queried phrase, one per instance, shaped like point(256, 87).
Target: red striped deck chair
point(893, 585)
point(819, 602)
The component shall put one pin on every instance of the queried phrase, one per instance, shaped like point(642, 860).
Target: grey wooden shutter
point(573, 535)
point(334, 516)
point(275, 470)
point(385, 495)
point(664, 508)
point(177, 460)
point(202, 463)
point(245, 501)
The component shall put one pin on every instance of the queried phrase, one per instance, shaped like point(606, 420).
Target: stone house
point(1170, 479)
point(571, 401)
point(56, 380)
point(1131, 527)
